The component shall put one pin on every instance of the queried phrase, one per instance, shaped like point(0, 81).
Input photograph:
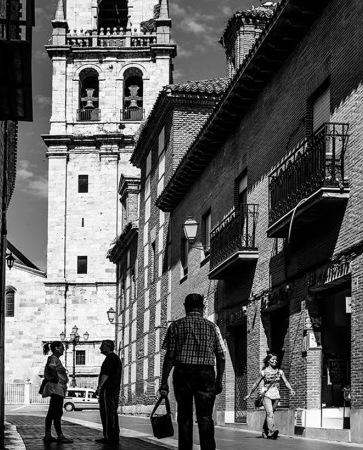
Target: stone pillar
point(356, 413)
point(57, 212)
point(59, 96)
point(27, 387)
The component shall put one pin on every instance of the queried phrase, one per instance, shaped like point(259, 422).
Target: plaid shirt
point(194, 340)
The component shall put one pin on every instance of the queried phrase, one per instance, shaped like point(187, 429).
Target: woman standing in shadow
point(55, 387)
point(270, 391)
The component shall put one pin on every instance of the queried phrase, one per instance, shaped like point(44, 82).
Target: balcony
point(133, 114)
point(233, 242)
point(88, 115)
point(106, 38)
point(310, 183)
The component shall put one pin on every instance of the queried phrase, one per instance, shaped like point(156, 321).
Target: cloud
point(177, 11)
point(184, 53)
point(30, 183)
point(40, 55)
point(42, 100)
point(178, 75)
point(227, 10)
point(44, 14)
point(192, 22)
point(195, 27)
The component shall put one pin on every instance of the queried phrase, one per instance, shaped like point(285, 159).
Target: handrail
point(318, 162)
point(235, 233)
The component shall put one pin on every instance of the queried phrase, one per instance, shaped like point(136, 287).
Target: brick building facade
point(144, 311)
point(276, 172)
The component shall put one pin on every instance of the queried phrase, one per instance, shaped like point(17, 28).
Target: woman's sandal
point(64, 440)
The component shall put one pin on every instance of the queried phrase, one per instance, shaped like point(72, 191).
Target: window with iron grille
point(184, 248)
point(80, 357)
point(10, 303)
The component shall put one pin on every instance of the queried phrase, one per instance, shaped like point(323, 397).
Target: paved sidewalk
point(26, 431)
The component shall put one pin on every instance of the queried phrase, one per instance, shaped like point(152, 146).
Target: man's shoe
point(102, 441)
point(49, 439)
point(64, 440)
point(275, 434)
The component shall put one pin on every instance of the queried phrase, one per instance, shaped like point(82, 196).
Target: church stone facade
point(110, 59)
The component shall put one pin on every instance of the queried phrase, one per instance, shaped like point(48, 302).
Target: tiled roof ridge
point(212, 85)
point(208, 86)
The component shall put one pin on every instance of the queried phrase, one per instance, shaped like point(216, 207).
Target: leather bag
point(259, 401)
point(42, 386)
point(162, 425)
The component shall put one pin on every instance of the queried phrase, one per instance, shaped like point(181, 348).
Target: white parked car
point(80, 398)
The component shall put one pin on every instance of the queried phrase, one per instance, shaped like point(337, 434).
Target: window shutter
point(321, 109)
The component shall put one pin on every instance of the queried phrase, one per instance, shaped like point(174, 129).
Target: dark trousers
point(198, 382)
point(108, 410)
point(55, 412)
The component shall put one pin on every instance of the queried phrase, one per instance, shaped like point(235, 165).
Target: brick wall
point(271, 128)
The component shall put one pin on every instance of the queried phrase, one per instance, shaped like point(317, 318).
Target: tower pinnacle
point(164, 9)
point(59, 15)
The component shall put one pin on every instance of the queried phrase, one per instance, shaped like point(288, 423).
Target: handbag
point(162, 425)
point(259, 401)
point(42, 386)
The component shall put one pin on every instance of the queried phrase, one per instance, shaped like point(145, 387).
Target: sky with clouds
point(197, 27)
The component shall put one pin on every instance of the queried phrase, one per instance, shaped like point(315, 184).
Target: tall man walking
point(109, 389)
point(193, 346)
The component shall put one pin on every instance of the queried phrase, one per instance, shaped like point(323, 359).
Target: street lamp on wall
point(74, 340)
point(111, 315)
point(10, 260)
point(190, 229)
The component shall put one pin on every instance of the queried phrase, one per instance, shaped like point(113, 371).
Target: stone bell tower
point(110, 59)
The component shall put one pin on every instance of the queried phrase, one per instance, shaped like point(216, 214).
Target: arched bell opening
point(88, 96)
point(133, 95)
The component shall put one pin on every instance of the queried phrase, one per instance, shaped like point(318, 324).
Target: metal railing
point(133, 114)
point(88, 115)
point(235, 233)
point(318, 162)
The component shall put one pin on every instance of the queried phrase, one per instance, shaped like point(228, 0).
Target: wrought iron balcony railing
point(235, 233)
point(317, 163)
point(88, 115)
point(133, 114)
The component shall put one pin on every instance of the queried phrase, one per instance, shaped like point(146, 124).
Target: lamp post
point(74, 340)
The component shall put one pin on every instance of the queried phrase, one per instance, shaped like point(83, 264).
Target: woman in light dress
point(270, 377)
